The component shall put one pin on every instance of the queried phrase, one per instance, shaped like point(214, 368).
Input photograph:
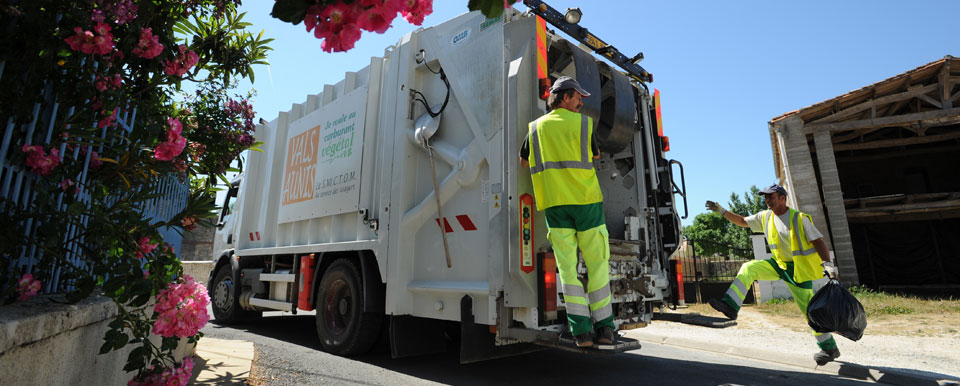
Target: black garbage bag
point(834, 309)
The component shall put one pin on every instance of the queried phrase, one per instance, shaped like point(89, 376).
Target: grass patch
point(878, 304)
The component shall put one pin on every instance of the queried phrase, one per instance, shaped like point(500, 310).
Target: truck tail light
point(526, 233)
point(547, 279)
point(666, 143)
point(307, 268)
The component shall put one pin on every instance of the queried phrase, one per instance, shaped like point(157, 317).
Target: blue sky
point(724, 69)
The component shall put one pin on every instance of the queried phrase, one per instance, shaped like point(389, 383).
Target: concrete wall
point(198, 270)
point(44, 341)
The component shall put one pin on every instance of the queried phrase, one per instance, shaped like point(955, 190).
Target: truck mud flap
point(623, 344)
point(478, 344)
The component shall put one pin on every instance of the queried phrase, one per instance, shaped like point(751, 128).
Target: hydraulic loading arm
point(581, 34)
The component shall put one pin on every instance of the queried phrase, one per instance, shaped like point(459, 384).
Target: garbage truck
point(393, 203)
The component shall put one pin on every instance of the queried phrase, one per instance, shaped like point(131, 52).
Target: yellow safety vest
point(561, 160)
point(806, 261)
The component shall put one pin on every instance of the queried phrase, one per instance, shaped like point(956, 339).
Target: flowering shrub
point(339, 23)
point(27, 287)
point(182, 309)
point(104, 62)
point(168, 376)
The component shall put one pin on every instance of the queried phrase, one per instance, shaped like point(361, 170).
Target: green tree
point(712, 234)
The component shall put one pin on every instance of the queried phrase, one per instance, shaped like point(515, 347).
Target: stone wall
point(197, 244)
point(198, 270)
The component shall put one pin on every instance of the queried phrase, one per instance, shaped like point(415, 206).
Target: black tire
point(225, 301)
point(342, 326)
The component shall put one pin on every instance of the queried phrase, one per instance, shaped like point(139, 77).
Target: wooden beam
point(855, 134)
point(926, 117)
point(945, 86)
point(896, 155)
point(845, 113)
point(920, 207)
point(897, 142)
point(931, 101)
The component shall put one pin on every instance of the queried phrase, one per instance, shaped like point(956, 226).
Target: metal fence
point(18, 185)
point(720, 263)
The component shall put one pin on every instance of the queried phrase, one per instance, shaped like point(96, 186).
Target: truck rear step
point(567, 343)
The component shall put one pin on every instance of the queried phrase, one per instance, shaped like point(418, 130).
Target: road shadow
point(553, 366)
point(895, 376)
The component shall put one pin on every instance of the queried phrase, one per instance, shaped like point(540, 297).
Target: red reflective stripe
point(466, 223)
point(251, 236)
point(446, 225)
point(258, 235)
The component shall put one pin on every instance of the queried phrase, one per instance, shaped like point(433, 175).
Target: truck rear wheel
point(344, 329)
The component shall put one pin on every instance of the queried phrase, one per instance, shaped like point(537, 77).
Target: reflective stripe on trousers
point(762, 270)
point(595, 301)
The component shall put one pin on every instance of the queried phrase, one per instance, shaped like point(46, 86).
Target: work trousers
point(570, 226)
point(769, 270)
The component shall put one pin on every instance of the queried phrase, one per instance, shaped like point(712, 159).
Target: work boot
point(606, 335)
point(724, 308)
point(583, 340)
point(825, 356)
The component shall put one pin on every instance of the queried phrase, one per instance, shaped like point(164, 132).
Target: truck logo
point(301, 167)
point(460, 37)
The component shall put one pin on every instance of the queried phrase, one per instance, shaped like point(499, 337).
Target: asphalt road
point(288, 353)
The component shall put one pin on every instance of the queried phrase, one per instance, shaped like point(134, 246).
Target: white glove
point(716, 207)
point(829, 270)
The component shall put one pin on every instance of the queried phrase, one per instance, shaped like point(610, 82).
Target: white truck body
point(345, 173)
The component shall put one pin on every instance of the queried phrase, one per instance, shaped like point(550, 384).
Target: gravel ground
point(920, 355)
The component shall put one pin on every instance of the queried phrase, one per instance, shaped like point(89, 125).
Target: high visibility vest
point(806, 260)
point(561, 160)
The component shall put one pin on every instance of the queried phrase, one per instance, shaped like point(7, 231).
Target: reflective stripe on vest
point(561, 160)
point(584, 163)
point(805, 257)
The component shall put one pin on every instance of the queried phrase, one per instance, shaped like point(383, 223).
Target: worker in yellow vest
point(566, 188)
point(799, 257)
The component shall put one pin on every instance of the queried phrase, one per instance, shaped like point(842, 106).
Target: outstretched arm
point(736, 219)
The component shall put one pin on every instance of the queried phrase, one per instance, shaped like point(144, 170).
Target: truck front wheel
point(223, 298)
point(344, 329)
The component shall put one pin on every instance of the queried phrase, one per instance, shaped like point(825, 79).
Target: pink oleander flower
point(27, 287)
point(342, 41)
point(175, 128)
point(182, 63)
point(335, 24)
point(95, 161)
point(170, 376)
point(169, 150)
point(415, 10)
point(148, 47)
point(145, 247)
point(124, 11)
point(81, 40)
point(189, 223)
point(97, 16)
point(378, 14)
point(66, 184)
point(181, 309)
point(38, 161)
point(174, 144)
point(108, 120)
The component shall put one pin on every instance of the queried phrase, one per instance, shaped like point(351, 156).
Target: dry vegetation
point(887, 314)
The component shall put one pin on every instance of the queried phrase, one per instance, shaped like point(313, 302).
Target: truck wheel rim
point(338, 305)
point(223, 294)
